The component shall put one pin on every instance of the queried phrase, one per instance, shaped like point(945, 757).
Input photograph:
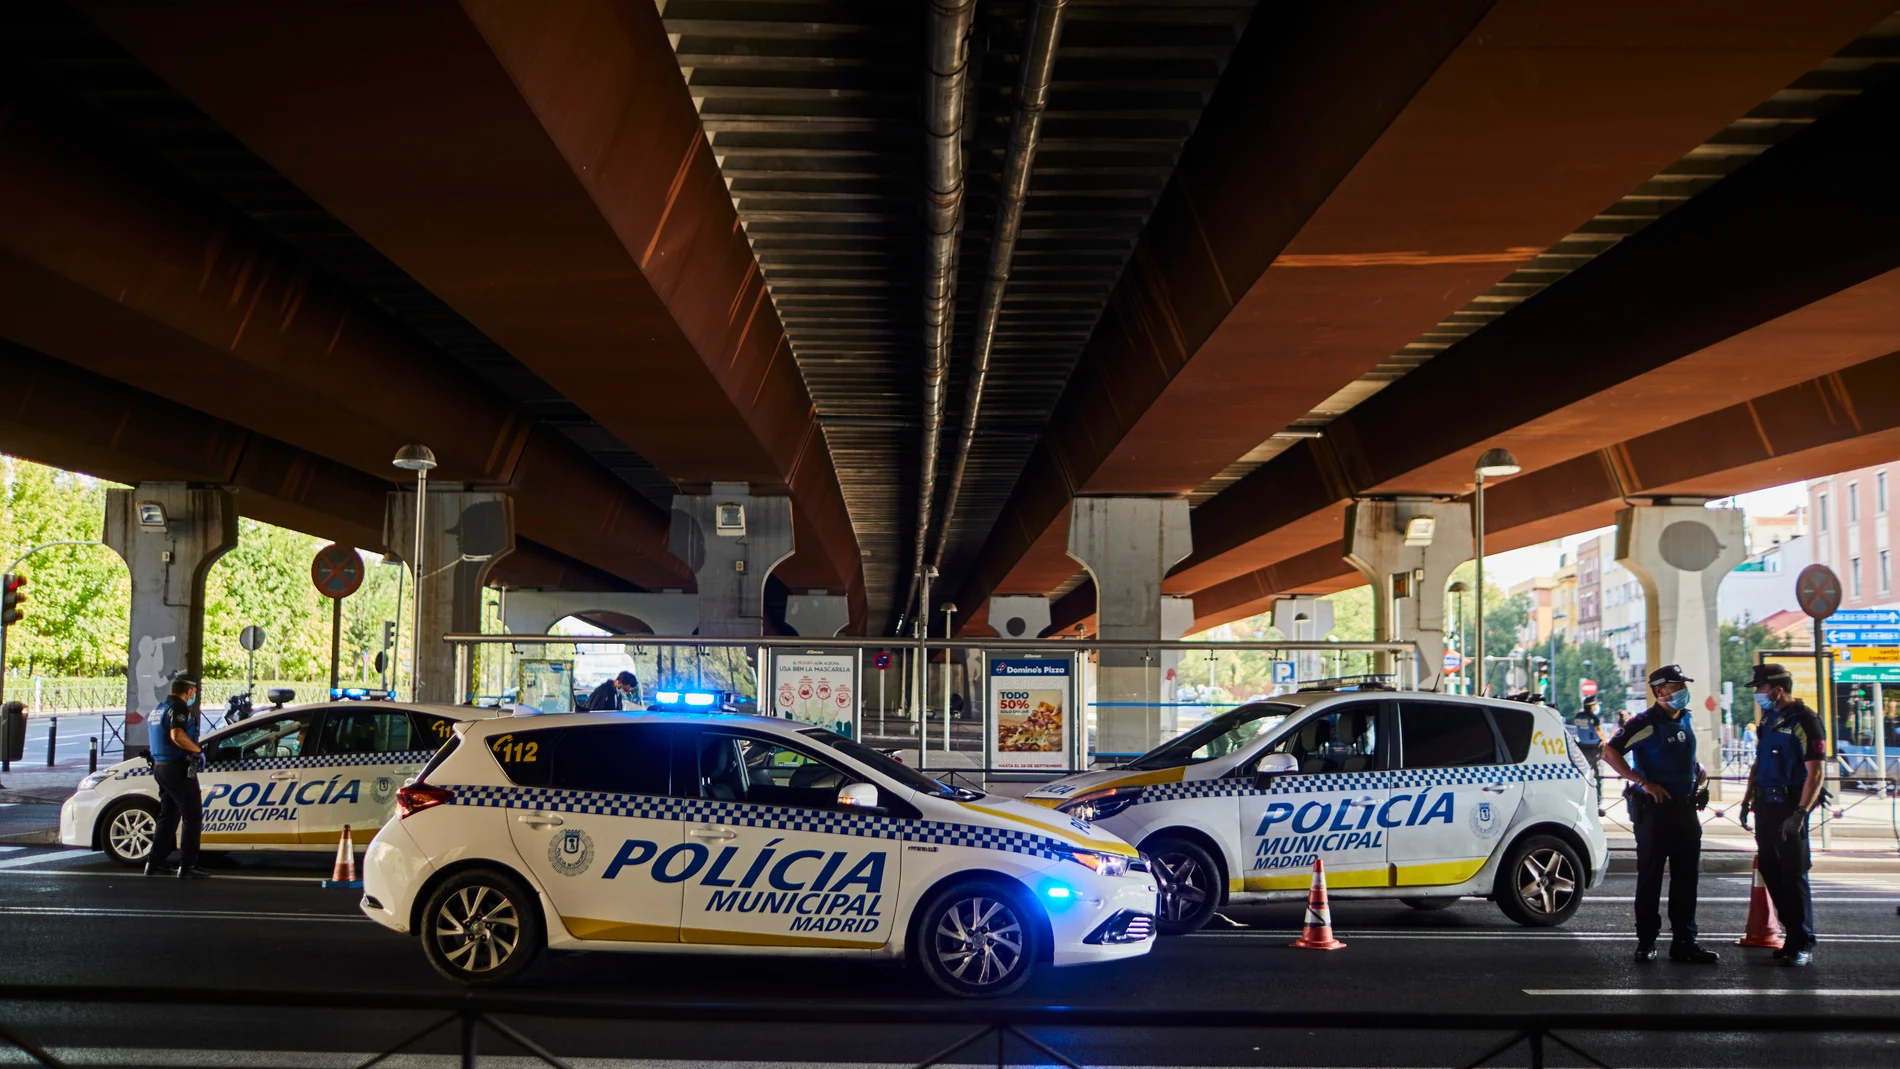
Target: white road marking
point(1705, 899)
point(10, 849)
point(1720, 992)
point(118, 873)
point(186, 914)
point(1502, 935)
point(37, 859)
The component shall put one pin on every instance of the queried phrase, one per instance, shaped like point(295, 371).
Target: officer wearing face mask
point(1786, 785)
point(1656, 752)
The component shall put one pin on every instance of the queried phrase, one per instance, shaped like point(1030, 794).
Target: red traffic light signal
point(12, 599)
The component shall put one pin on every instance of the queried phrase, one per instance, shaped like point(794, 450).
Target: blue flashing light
point(701, 698)
point(1057, 891)
point(667, 697)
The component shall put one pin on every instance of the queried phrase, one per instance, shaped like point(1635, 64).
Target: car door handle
point(283, 775)
point(712, 833)
point(541, 820)
point(1494, 788)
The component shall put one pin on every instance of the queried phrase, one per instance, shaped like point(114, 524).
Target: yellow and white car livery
point(1421, 797)
point(286, 779)
point(712, 833)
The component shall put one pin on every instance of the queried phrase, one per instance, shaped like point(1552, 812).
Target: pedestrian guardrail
point(468, 1018)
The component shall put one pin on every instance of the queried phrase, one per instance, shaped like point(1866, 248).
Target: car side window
point(601, 758)
point(366, 731)
point(287, 735)
point(739, 768)
point(1343, 741)
point(431, 730)
point(1516, 726)
point(1445, 735)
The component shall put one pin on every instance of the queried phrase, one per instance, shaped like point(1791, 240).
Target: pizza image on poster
point(1030, 727)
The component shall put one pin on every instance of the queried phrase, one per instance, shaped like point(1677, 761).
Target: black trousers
point(179, 807)
point(1667, 833)
point(1784, 871)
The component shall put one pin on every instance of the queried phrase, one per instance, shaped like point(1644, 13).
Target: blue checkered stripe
point(342, 760)
point(772, 818)
point(1200, 788)
point(1361, 781)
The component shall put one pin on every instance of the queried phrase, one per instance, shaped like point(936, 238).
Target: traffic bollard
point(52, 740)
point(92, 755)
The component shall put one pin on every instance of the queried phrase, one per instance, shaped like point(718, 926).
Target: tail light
point(417, 797)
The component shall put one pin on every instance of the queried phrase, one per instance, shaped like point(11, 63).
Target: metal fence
point(998, 1031)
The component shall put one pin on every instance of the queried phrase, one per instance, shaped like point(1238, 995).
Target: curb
point(36, 837)
point(1728, 862)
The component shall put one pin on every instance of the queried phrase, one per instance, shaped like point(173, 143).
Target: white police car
point(285, 779)
point(1421, 797)
point(710, 833)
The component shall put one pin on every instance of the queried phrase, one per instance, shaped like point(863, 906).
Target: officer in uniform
point(176, 758)
point(1786, 785)
point(1656, 752)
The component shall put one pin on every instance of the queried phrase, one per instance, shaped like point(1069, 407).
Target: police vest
point(1662, 750)
point(1786, 741)
point(169, 714)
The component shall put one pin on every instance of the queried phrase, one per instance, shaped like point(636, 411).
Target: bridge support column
point(464, 533)
point(170, 535)
point(817, 614)
point(1408, 549)
point(1681, 554)
point(1128, 544)
point(1019, 615)
point(531, 612)
point(732, 541)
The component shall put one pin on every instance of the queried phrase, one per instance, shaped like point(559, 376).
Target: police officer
point(1656, 752)
point(1785, 785)
point(176, 758)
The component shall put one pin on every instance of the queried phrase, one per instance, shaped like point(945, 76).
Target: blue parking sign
point(1283, 673)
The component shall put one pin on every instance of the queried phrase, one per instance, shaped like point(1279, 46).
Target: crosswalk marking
point(36, 859)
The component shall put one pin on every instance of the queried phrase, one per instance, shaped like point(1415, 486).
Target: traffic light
point(12, 599)
point(389, 633)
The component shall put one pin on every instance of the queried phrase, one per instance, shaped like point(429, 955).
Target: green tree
point(78, 597)
point(1577, 662)
point(1738, 643)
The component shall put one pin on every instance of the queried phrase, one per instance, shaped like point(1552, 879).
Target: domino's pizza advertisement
point(817, 688)
point(1030, 705)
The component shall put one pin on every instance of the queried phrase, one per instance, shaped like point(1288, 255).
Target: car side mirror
point(859, 796)
point(1274, 764)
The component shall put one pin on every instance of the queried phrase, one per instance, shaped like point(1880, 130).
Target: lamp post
point(1458, 590)
point(1492, 464)
point(418, 458)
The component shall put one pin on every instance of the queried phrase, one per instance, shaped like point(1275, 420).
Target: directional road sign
point(1866, 618)
point(1859, 636)
point(1867, 654)
point(1453, 660)
point(1818, 591)
point(337, 571)
point(1283, 674)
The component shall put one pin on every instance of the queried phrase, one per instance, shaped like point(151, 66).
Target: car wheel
point(1541, 883)
point(1430, 903)
point(128, 829)
point(1189, 882)
point(976, 940)
point(481, 927)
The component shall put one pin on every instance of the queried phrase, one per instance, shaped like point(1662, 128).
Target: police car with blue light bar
point(1425, 798)
point(711, 833)
point(285, 779)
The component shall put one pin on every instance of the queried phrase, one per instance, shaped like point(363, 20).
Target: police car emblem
point(382, 789)
point(1484, 819)
point(571, 852)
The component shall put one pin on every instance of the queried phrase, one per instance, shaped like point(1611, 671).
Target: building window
point(1853, 572)
point(1885, 581)
point(1880, 493)
point(1853, 502)
point(1820, 510)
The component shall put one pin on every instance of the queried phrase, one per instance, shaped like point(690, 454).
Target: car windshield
point(889, 766)
point(1218, 737)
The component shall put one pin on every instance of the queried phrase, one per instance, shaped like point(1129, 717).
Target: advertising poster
point(547, 686)
point(817, 687)
point(1031, 710)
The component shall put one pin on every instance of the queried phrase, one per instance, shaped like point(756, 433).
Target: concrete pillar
point(464, 533)
point(1019, 615)
point(1408, 549)
point(169, 535)
point(1128, 544)
point(817, 614)
point(1681, 553)
point(732, 541)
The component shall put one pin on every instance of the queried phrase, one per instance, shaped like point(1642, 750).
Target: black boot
point(1693, 953)
point(157, 868)
point(1645, 953)
point(192, 872)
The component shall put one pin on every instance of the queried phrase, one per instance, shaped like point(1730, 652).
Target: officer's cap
point(1772, 675)
point(1669, 673)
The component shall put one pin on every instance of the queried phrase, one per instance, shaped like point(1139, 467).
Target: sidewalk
point(1861, 839)
point(30, 800)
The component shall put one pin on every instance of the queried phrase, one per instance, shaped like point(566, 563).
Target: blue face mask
point(1679, 700)
point(1764, 703)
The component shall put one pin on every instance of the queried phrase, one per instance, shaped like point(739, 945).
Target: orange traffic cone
point(343, 874)
point(1318, 931)
point(1764, 928)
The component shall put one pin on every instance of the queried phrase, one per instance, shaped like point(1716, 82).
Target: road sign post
point(1818, 591)
point(337, 571)
point(251, 638)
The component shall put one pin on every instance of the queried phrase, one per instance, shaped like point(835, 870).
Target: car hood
point(1050, 795)
point(1011, 815)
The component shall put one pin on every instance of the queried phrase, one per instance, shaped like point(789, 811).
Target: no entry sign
point(337, 571)
point(1588, 688)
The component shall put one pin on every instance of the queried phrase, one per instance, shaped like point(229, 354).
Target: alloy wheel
point(1545, 881)
point(131, 833)
point(477, 929)
point(979, 940)
point(1184, 889)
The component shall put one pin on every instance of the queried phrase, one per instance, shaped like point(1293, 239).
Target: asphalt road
point(70, 917)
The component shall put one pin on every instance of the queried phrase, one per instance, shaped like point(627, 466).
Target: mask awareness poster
point(1032, 709)
point(816, 687)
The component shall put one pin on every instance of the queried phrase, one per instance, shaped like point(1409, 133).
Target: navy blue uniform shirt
point(171, 713)
point(1661, 749)
point(1786, 740)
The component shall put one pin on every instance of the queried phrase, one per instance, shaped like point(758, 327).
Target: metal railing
point(1530, 1034)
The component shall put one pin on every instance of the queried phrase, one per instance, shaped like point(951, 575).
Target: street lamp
point(418, 458)
point(1493, 463)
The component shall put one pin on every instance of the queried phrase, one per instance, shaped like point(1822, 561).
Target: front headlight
point(1103, 864)
point(1102, 804)
point(93, 781)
